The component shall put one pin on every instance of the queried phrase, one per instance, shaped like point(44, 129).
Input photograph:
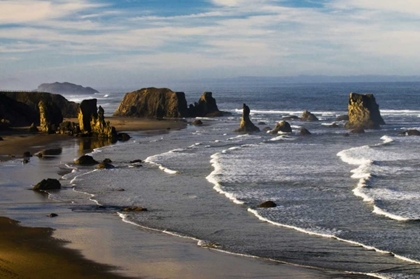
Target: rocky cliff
point(153, 102)
point(65, 88)
point(32, 99)
point(16, 114)
point(363, 112)
point(206, 106)
point(246, 125)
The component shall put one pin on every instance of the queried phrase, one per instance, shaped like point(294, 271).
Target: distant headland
point(65, 88)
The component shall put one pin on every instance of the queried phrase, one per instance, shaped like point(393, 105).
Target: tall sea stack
point(246, 125)
point(363, 112)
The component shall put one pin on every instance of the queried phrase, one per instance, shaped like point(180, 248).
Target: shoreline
point(161, 256)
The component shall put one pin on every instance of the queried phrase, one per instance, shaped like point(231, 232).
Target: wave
point(152, 160)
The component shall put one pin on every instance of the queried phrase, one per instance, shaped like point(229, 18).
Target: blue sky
point(127, 42)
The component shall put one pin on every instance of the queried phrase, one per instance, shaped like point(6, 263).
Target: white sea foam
point(152, 160)
point(380, 211)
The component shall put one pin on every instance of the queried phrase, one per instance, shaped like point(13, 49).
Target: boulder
point(267, 204)
point(50, 116)
point(246, 125)
point(153, 102)
point(304, 132)
point(123, 137)
point(65, 88)
point(308, 116)
point(136, 161)
point(47, 184)
point(52, 215)
point(105, 165)
point(411, 132)
point(15, 114)
point(282, 126)
point(363, 112)
point(49, 152)
point(26, 154)
point(197, 122)
point(86, 160)
point(69, 128)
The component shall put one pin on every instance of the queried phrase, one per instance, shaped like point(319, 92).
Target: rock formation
point(65, 88)
point(86, 160)
point(15, 114)
point(92, 120)
point(267, 204)
point(50, 117)
point(32, 99)
point(246, 125)
point(206, 106)
point(282, 126)
point(153, 102)
point(308, 116)
point(363, 112)
point(304, 132)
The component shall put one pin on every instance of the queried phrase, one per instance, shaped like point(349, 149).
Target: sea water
point(348, 203)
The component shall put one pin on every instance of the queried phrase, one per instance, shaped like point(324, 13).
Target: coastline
point(158, 255)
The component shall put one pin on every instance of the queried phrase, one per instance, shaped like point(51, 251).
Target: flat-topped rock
point(363, 112)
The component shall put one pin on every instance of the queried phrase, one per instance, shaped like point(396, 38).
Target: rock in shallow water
point(47, 184)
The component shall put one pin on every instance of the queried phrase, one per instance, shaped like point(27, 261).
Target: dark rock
point(1, 139)
point(261, 123)
point(52, 215)
point(363, 112)
point(65, 88)
point(342, 118)
point(15, 114)
point(197, 122)
point(32, 99)
point(267, 204)
point(206, 106)
point(49, 152)
point(105, 165)
point(86, 160)
point(282, 126)
point(121, 190)
point(411, 132)
point(134, 209)
point(346, 135)
point(357, 131)
point(246, 125)
point(107, 160)
point(50, 116)
point(136, 161)
point(69, 128)
point(308, 116)
point(27, 154)
point(25, 161)
point(304, 132)
point(153, 102)
point(33, 128)
point(123, 137)
point(48, 184)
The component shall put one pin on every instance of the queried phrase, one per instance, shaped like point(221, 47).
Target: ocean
point(345, 203)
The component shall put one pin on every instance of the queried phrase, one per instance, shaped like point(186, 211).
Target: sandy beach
point(68, 246)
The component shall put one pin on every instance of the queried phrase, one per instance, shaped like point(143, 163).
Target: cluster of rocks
point(363, 113)
point(164, 103)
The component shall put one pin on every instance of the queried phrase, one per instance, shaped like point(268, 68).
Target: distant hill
point(65, 88)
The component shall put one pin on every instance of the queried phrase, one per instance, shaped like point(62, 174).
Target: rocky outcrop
point(282, 126)
point(197, 122)
point(411, 132)
point(47, 184)
point(65, 88)
point(32, 99)
point(153, 102)
point(246, 125)
point(15, 114)
point(267, 204)
point(308, 116)
point(304, 132)
point(92, 120)
point(363, 112)
point(206, 106)
point(50, 117)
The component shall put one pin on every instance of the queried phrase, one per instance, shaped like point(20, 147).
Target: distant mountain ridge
point(65, 88)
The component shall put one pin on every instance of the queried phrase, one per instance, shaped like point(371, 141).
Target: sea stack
point(154, 103)
point(92, 120)
point(50, 116)
point(246, 125)
point(363, 112)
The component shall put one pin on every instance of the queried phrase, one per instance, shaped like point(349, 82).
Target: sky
point(128, 42)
